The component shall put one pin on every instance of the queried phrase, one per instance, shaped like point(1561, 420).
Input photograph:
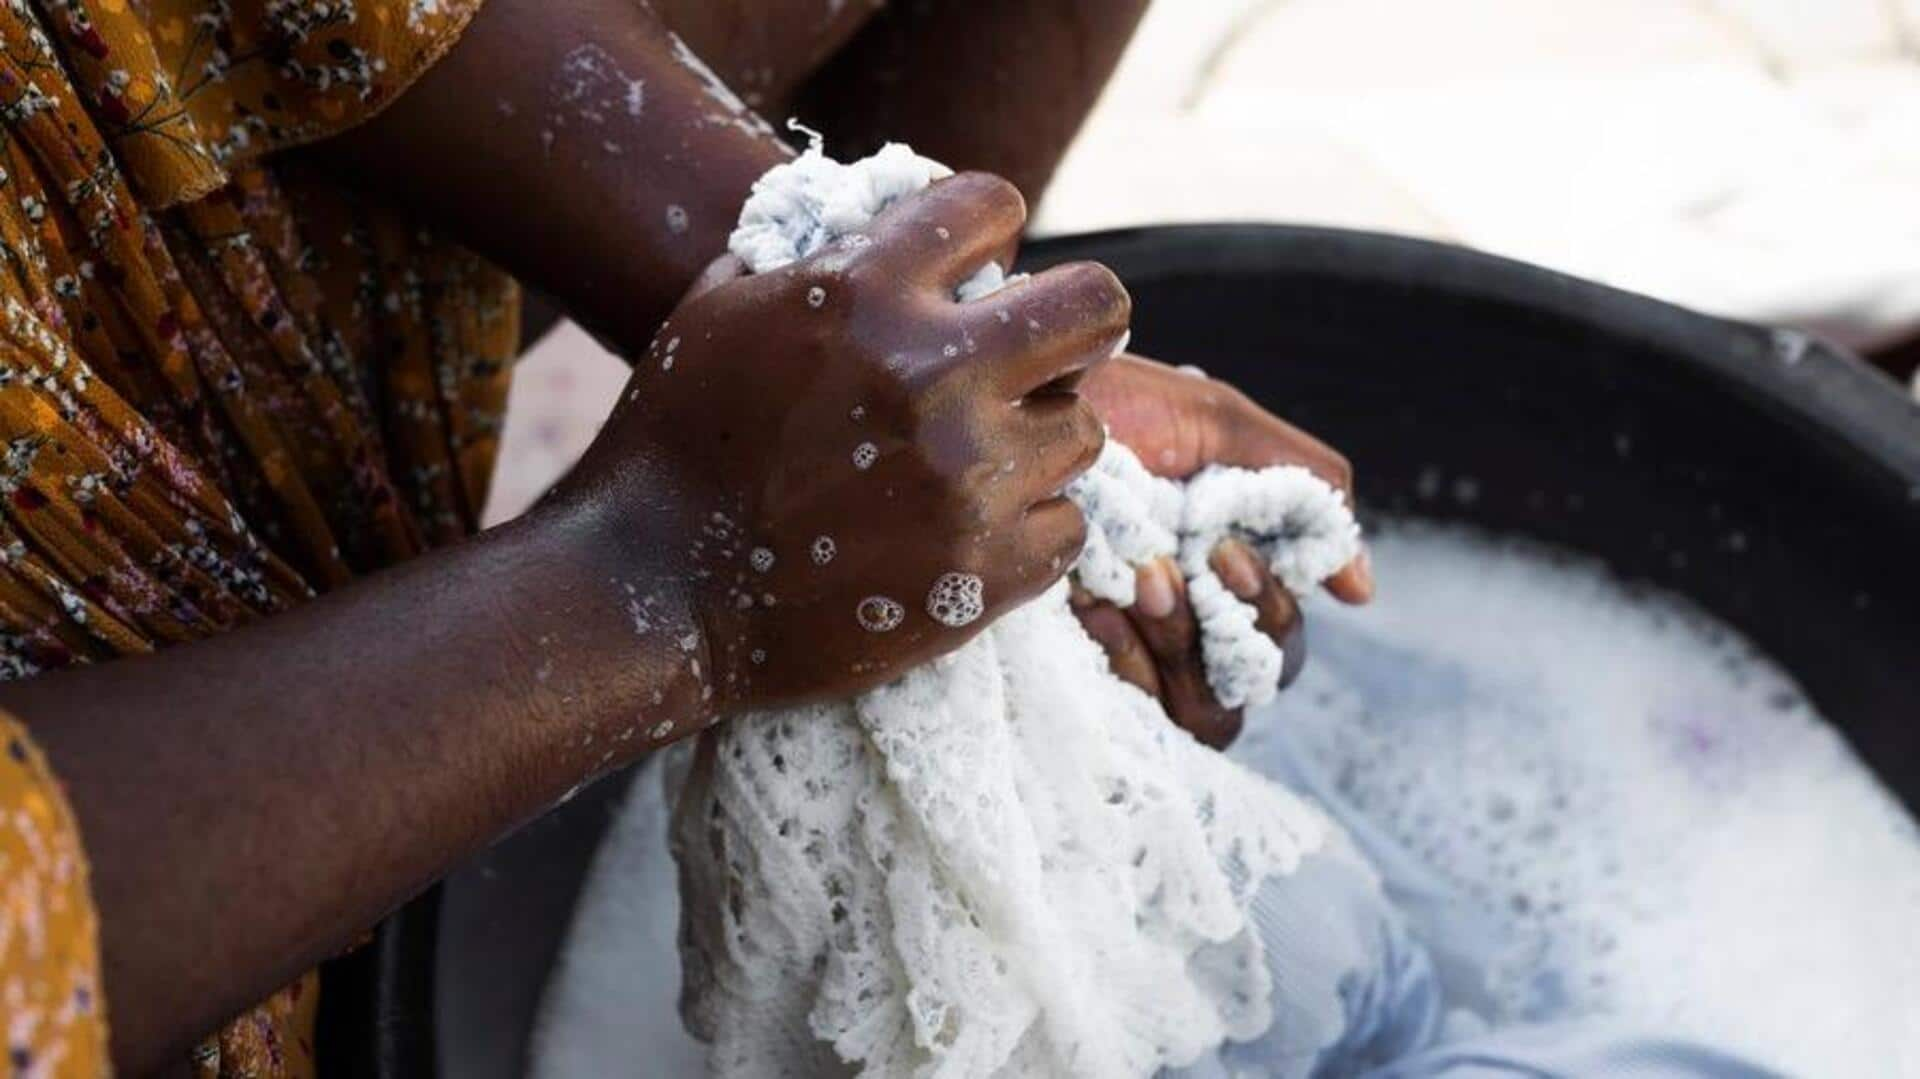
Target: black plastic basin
point(1609, 423)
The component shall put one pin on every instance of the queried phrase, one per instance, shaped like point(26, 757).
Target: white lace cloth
point(1008, 862)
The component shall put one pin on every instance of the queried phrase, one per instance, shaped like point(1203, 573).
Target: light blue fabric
point(1376, 964)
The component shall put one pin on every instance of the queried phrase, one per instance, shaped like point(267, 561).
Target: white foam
point(956, 599)
point(1646, 816)
point(822, 550)
point(879, 614)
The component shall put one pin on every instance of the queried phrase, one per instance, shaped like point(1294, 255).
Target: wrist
point(614, 645)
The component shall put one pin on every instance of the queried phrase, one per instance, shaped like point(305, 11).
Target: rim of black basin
point(1831, 411)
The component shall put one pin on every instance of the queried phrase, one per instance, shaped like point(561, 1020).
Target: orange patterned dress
point(225, 387)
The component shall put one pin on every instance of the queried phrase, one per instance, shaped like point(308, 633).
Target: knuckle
point(1074, 536)
point(1102, 292)
point(993, 196)
point(1089, 436)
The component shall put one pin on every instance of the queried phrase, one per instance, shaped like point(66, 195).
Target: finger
point(1354, 583)
point(1127, 654)
point(1051, 535)
point(1045, 333)
point(945, 234)
point(1165, 622)
point(1062, 437)
point(1277, 612)
point(1256, 438)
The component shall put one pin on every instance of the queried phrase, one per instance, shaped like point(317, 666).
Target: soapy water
point(1589, 799)
point(1628, 810)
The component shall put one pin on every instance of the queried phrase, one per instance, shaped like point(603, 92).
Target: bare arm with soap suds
point(994, 84)
point(588, 146)
point(999, 85)
point(581, 145)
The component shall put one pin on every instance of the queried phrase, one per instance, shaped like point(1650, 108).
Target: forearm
point(253, 802)
point(996, 85)
point(573, 142)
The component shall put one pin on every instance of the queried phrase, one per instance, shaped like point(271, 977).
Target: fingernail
point(1153, 591)
point(1239, 570)
point(1363, 573)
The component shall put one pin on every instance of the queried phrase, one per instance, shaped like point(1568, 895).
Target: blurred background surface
point(1751, 158)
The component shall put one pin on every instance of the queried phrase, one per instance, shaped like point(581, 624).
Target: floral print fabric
point(225, 386)
point(49, 965)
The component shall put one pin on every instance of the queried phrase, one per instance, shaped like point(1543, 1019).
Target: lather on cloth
point(1008, 862)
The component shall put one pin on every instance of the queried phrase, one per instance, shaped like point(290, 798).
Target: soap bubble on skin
point(677, 221)
point(878, 614)
point(761, 559)
point(822, 550)
point(864, 455)
point(956, 599)
point(816, 297)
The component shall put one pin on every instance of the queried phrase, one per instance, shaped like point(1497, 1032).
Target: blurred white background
point(1752, 158)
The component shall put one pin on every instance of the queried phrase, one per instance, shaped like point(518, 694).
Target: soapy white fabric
point(1008, 862)
point(1298, 524)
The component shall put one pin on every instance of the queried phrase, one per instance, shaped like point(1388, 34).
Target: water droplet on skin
point(662, 729)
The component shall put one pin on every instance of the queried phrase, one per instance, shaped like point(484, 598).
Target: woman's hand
point(865, 472)
point(1179, 421)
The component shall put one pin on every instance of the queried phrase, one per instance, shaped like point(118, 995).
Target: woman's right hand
point(863, 472)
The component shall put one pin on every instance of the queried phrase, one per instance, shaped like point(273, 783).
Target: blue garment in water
point(1356, 993)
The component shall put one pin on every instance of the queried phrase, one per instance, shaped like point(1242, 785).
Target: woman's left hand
point(1179, 421)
